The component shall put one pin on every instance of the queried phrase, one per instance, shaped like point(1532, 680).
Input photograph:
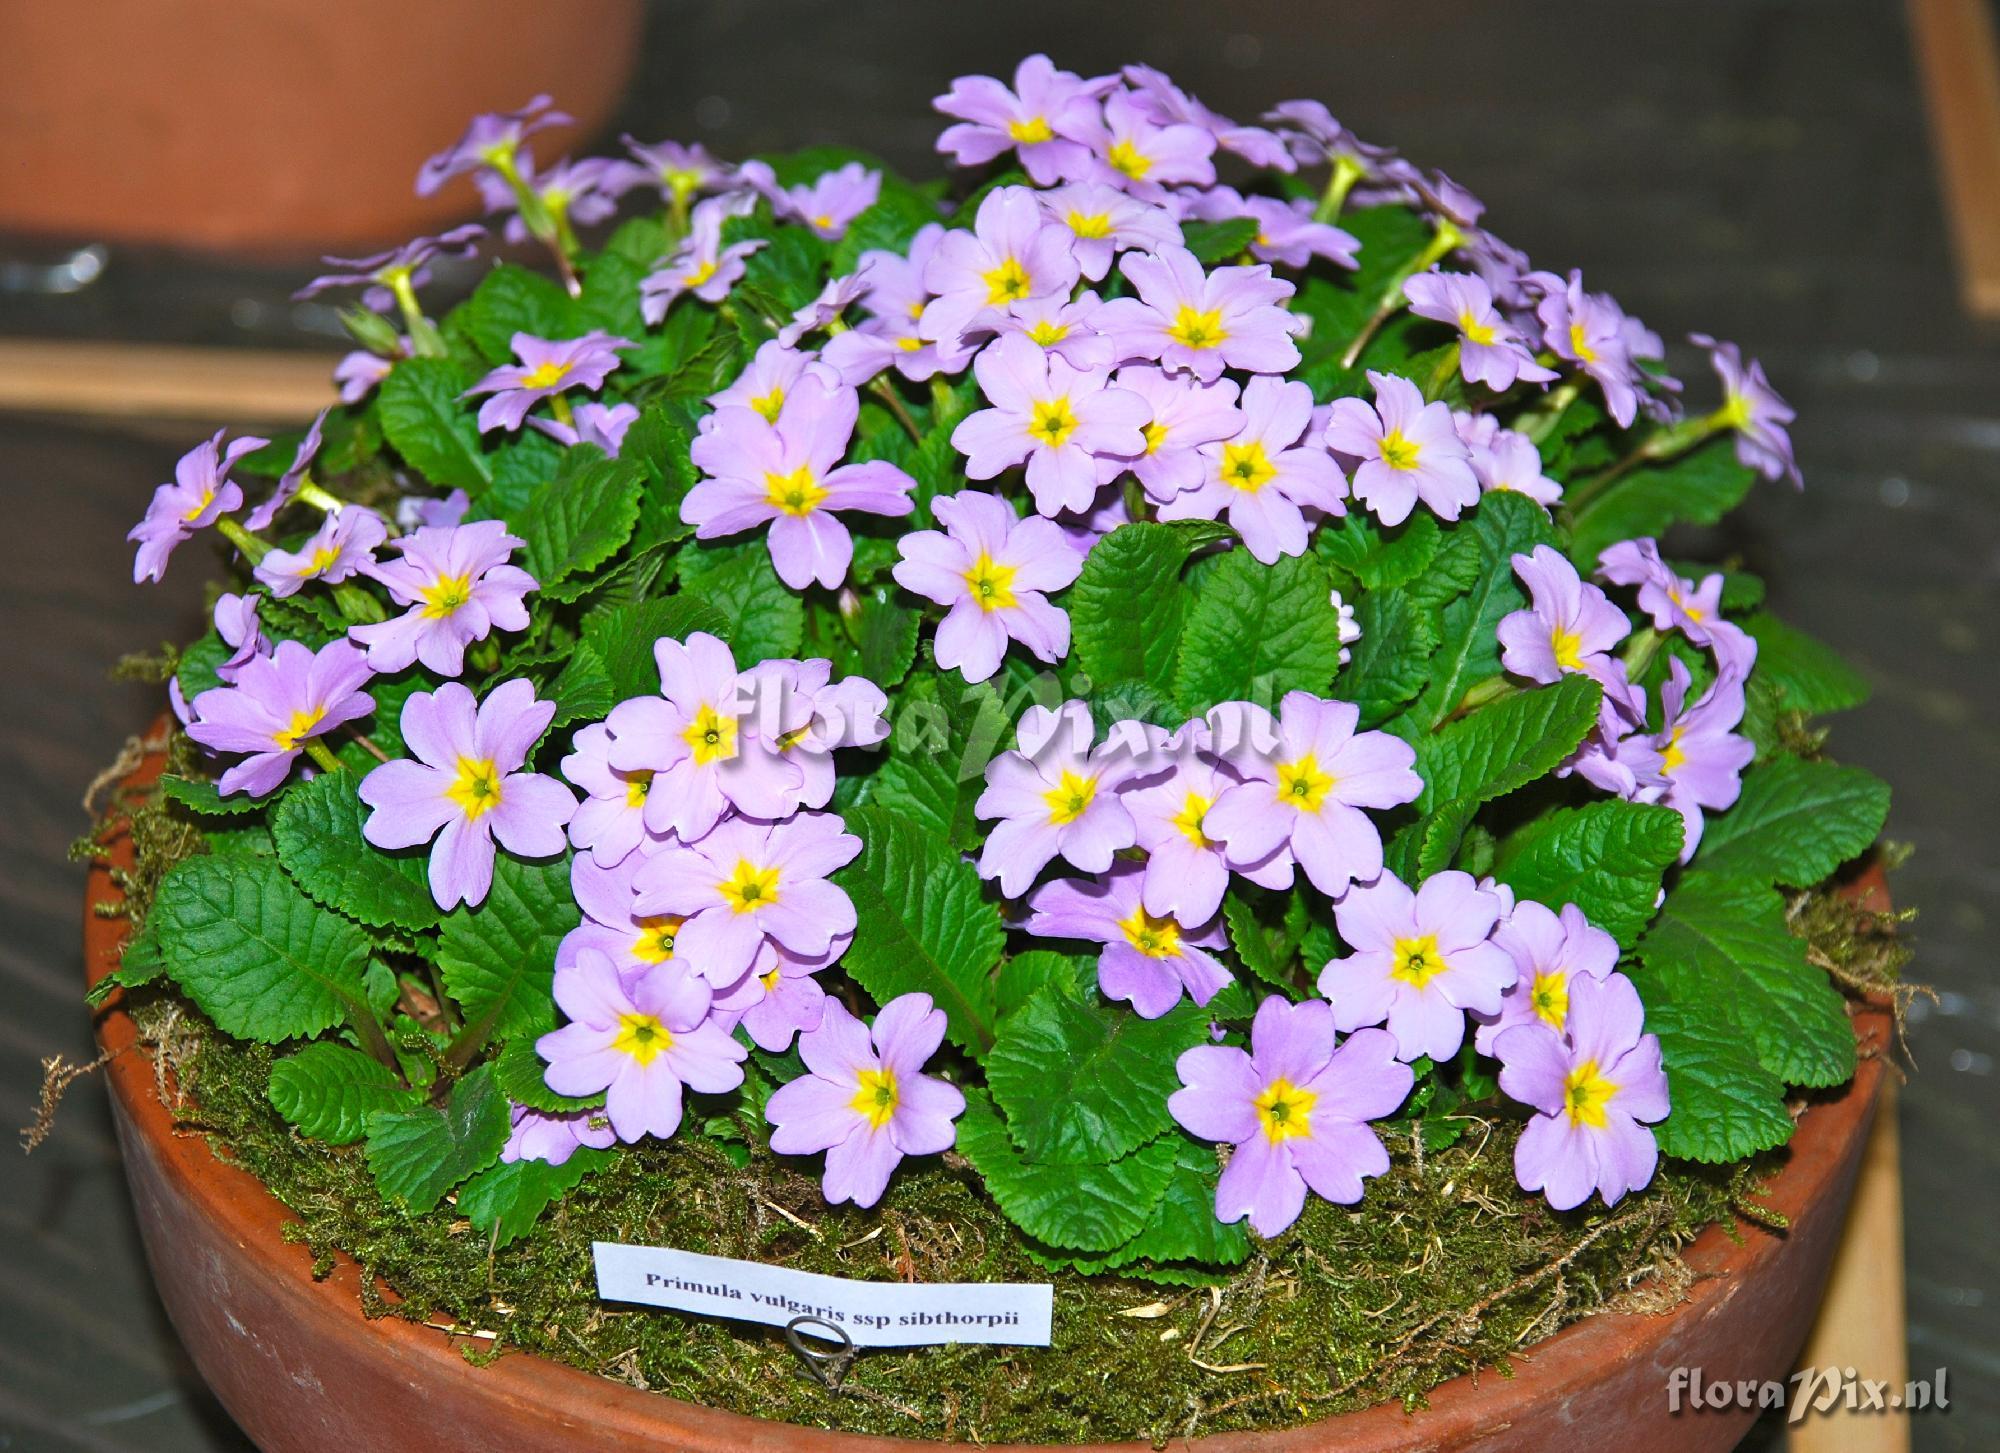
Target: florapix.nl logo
point(1810, 1390)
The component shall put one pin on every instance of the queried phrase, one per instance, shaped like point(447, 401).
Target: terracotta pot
point(301, 1369)
point(278, 125)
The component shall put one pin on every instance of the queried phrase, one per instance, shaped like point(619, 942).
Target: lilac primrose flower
point(467, 787)
point(1145, 156)
point(490, 140)
point(343, 545)
point(459, 587)
point(1756, 412)
point(1588, 329)
point(1164, 103)
point(1592, 1084)
point(1549, 950)
point(613, 923)
point(201, 493)
point(554, 1138)
point(1286, 230)
point(992, 568)
point(638, 1043)
point(1313, 135)
point(1295, 1107)
point(1147, 961)
point(789, 474)
point(705, 753)
point(1056, 417)
point(767, 380)
point(834, 199)
point(415, 510)
point(746, 883)
point(1187, 414)
point(611, 823)
point(1104, 221)
point(288, 483)
point(866, 1101)
point(1057, 325)
point(275, 705)
point(1405, 450)
point(1701, 757)
point(1569, 625)
point(779, 997)
point(580, 192)
point(1490, 350)
point(845, 713)
point(1186, 870)
point(700, 265)
point(1306, 779)
point(1504, 459)
point(1013, 253)
point(824, 310)
point(894, 301)
point(236, 622)
point(547, 368)
point(681, 172)
point(359, 372)
point(591, 423)
point(1056, 797)
point(1201, 322)
point(1420, 961)
point(392, 277)
point(1049, 119)
point(1267, 474)
point(1673, 603)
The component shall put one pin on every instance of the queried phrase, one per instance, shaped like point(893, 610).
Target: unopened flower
point(1057, 418)
point(1264, 476)
point(1490, 350)
point(1148, 960)
point(639, 1043)
point(1295, 1106)
point(490, 140)
point(1569, 624)
point(1404, 450)
point(701, 265)
point(1201, 322)
point(343, 545)
point(459, 587)
point(236, 622)
point(1593, 1084)
point(1056, 796)
point(201, 492)
point(554, 1138)
point(865, 1100)
point(1048, 118)
point(1187, 414)
point(1549, 950)
point(993, 570)
point(467, 787)
point(288, 484)
point(1754, 411)
point(1420, 962)
point(1012, 253)
point(276, 704)
point(1104, 221)
point(546, 369)
point(1144, 155)
point(359, 372)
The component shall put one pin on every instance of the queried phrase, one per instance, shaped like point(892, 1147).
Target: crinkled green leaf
point(511, 299)
point(498, 960)
point(1725, 1104)
point(504, 1202)
point(431, 427)
point(203, 798)
point(318, 832)
point(1218, 242)
point(765, 617)
point(1024, 975)
point(1268, 950)
point(582, 689)
point(1796, 822)
point(328, 1091)
point(1392, 660)
point(578, 520)
point(519, 1072)
point(933, 766)
point(1503, 525)
point(1070, 1207)
point(418, 1155)
point(1698, 488)
point(1809, 674)
point(1379, 557)
point(1506, 744)
point(1257, 631)
point(623, 637)
point(1127, 608)
point(1605, 857)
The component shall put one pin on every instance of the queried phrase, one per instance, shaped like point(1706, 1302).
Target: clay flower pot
point(300, 1368)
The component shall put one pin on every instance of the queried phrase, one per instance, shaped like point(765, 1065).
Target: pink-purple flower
point(1266, 474)
point(1187, 414)
point(467, 786)
point(1144, 155)
point(1569, 624)
point(1549, 950)
point(1103, 221)
point(275, 705)
point(1057, 418)
point(201, 492)
point(1758, 415)
point(612, 819)
point(1405, 450)
point(767, 381)
point(1049, 119)
point(1201, 322)
point(488, 141)
point(1012, 253)
point(1056, 796)
point(294, 476)
point(1673, 603)
point(1187, 871)
point(602, 425)
point(1295, 1106)
point(554, 1138)
point(1490, 349)
point(391, 277)
point(1701, 756)
point(1287, 232)
point(613, 923)
point(894, 300)
point(459, 587)
point(343, 546)
point(546, 370)
point(865, 1100)
point(779, 996)
point(701, 265)
point(1589, 330)
point(833, 199)
point(1505, 459)
point(1147, 960)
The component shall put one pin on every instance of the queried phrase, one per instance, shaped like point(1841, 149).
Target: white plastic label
point(871, 1313)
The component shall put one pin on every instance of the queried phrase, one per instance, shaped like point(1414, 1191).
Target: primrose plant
point(1169, 688)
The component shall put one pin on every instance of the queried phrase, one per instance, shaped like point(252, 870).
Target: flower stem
point(1346, 172)
point(1657, 448)
point(1540, 422)
point(321, 753)
point(425, 339)
point(1442, 374)
point(562, 410)
point(886, 392)
point(368, 745)
point(319, 498)
point(253, 548)
point(369, 1031)
point(1391, 302)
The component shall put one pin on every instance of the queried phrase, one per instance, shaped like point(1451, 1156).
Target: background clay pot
point(278, 125)
point(301, 1369)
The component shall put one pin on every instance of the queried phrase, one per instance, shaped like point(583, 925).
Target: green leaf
point(196, 671)
point(1796, 822)
point(504, 1202)
point(418, 1155)
point(1183, 1227)
point(1698, 488)
point(1127, 608)
point(1812, 676)
point(1214, 242)
point(261, 959)
point(579, 519)
point(1082, 1081)
point(511, 300)
point(498, 960)
point(1606, 857)
point(897, 216)
point(766, 619)
point(933, 766)
point(923, 925)
point(1379, 557)
point(1339, 303)
point(518, 1070)
point(1721, 948)
point(1726, 1105)
point(318, 832)
point(328, 1091)
point(659, 443)
point(1266, 950)
point(1025, 975)
point(1392, 660)
point(1257, 631)
point(1071, 1207)
point(623, 638)
point(203, 798)
point(1504, 524)
point(1507, 744)
point(582, 689)
point(424, 419)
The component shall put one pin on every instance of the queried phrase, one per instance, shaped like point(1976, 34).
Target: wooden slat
point(1958, 57)
point(129, 380)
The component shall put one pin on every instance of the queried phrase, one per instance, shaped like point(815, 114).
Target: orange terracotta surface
point(301, 1369)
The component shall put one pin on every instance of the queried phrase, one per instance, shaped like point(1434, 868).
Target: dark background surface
point(1754, 168)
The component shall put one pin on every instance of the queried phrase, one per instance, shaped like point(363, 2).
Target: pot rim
point(1820, 1155)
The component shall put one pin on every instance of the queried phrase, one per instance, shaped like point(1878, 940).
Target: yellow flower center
point(637, 785)
point(321, 561)
point(1568, 648)
point(991, 583)
point(207, 499)
point(1548, 996)
point(770, 405)
point(1007, 283)
point(797, 493)
point(770, 980)
point(1030, 130)
point(1417, 961)
point(545, 375)
point(655, 944)
point(476, 788)
point(1194, 329)
point(1285, 1109)
point(1090, 224)
point(702, 273)
point(1673, 756)
point(1474, 330)
point(1156, 938)
point(1302, 784)
point(876, 1099)
point(1579, 345)
point(1189, 820)
point(445, 595)
point(1399, 451)
point(1585, 1094)
point(1048, 334)
point(824, 222)
point(1070, 798)
point(711, 736)
point(750, 887)
point(1054, 421)
point(643, 1037)
point(909, 345)
point(1156, 435)
point(680, 181)
point(302, 724)
point(1127, 158)
point(1247, 467)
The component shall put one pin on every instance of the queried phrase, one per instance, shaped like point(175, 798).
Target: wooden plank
point(1958, 57)
point(129, 380)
